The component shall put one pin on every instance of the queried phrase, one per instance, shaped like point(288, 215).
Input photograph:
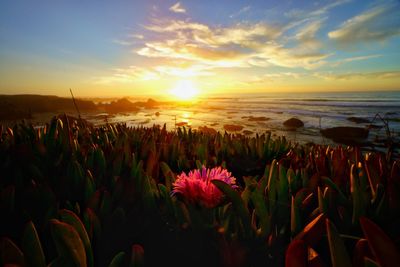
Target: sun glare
point(184, 90)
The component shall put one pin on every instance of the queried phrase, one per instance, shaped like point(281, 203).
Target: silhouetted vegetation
point(76, 195)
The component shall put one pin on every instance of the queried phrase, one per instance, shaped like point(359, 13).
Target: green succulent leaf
point(283, 196)
point(272, 186)
point(168, 174)
point(105, 205)
point(238, 204)
point(100, 161)
point(61, 262)
point(262, 183)
point(90, 186)
point(32, 247)
point(341, 196)
point(322, 202)
point(72, 219)
point(68, 243)
point(261, 210)
point(370, 263)
point(92, 224)
point(295, 218)
point(359, 203)
point(10, 253)
point(339, 255)
point(118, 260)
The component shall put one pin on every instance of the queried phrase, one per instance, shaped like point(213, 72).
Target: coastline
point(252, 115)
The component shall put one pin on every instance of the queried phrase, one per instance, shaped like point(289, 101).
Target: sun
point(184, 90)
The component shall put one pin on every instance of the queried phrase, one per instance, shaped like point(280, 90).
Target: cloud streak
point(177, 8)
point(241, 11)
point(351, 59)
point(122, 42)
point(377, 24)
point(130, 74)
point(306, 36)
point(273, 77)
point(359, 75)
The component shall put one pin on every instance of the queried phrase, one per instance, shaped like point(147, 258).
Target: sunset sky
point(125, 48)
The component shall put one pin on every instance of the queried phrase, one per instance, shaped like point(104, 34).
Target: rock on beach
point(293, 123)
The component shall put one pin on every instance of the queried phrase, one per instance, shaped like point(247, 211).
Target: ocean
point(261, 113)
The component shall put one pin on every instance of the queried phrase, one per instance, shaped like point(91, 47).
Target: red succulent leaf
point(383, 248)
point(296, 254)
point(361, 250)
point(314, 231)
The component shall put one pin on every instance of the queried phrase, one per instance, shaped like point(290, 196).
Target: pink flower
point(196, 187)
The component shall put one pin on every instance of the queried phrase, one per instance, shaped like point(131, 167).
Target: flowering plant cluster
point(196, 187)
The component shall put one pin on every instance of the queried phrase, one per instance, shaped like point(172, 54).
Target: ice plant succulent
point(196, 187)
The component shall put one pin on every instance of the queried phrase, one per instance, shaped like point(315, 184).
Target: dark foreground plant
point(76, 195)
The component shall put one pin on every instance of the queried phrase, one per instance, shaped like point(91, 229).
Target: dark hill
point(124, 105)
point(150, 103)
point(120, 105)
point(23, 106)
